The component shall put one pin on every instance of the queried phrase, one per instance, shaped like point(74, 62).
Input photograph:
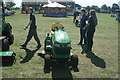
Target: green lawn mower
point(57, 47)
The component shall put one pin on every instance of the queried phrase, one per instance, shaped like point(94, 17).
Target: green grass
point(105, 46)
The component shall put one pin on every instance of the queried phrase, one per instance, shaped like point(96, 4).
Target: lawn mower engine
point(58, 48)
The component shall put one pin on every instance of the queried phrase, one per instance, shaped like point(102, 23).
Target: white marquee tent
point(54, 5)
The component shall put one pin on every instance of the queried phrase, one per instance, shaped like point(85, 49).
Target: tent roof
point(77, 5)
point(54, 5)
point(34, 0)
point(62, 0)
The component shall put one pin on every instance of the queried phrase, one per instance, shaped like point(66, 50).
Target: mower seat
point(56, 26)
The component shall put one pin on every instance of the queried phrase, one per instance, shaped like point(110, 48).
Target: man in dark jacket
point(32, 30)
point(82, 25)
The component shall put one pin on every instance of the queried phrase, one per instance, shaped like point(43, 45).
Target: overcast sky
point(85, 3)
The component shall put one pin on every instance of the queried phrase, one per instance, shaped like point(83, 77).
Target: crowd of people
point(88, 23)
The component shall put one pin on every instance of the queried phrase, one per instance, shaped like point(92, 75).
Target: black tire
point(47, 61)
point(45, 46)
point(76, 23)
point(47, 64)
point(5, 45)
point(7, 29)
point(11, 39)
point(75, 61)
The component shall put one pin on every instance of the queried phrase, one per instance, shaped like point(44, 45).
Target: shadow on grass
point(59, 71)
point(29, 55)
point(97, 61)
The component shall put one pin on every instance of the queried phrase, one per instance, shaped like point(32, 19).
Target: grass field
point(105, 48)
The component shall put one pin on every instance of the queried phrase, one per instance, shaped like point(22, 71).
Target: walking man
point(32, 30)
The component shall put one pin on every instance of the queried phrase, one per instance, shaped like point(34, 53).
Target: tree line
point(104, 8)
